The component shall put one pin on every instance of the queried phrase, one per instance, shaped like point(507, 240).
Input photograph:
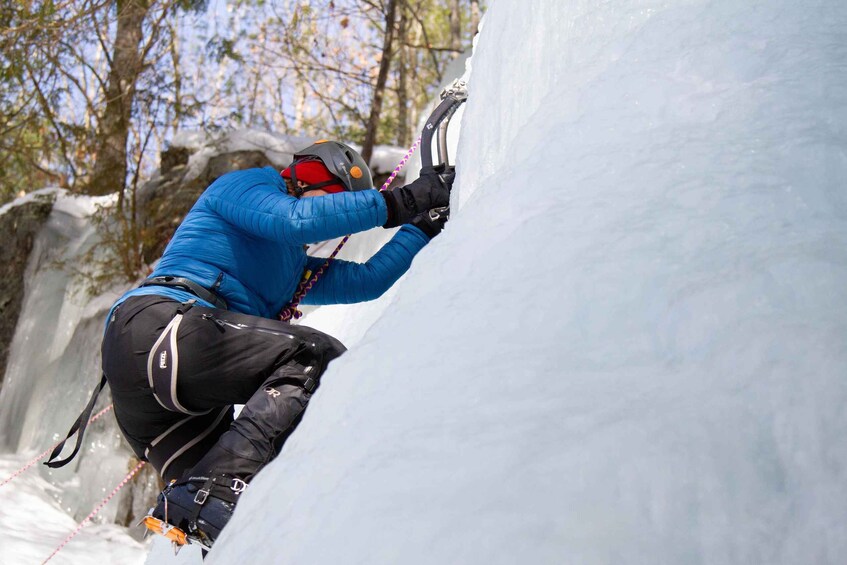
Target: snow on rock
point(82, 207)
point(29, 197)
point(628, 345)
point(278, 148)
point(385, 158)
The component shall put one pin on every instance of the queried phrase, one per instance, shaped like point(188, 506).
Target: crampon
point(194, 511)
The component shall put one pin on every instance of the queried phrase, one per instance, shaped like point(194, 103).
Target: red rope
point(96, 510)
point(49, 449)
point(308, 282)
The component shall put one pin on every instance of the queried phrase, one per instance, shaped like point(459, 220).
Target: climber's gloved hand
point(430, 190)
point(447, 174)
point(432, 221)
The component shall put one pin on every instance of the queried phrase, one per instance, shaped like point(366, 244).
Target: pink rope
point(306, 285)
point(49, 449)
point(96, 510)
point(400, 165)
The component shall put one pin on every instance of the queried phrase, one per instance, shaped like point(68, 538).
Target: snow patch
point(32, 525)
point(82, 206)
point(278, 148)
point(30, 197)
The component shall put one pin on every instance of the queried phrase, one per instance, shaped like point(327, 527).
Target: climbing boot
point(195, 510)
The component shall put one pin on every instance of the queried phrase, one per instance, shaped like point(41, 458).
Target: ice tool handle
point(451, 98)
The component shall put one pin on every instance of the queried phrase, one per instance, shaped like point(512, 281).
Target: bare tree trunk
point(175, 50)
point(403, 83)
point(381, 80)
point(416, 88)
point(475, 16)
point(456, 26)
point(110, 167)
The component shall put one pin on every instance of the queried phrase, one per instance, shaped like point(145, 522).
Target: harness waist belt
point(197, 290)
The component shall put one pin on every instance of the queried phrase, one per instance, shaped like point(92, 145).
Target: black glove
point(446, 174)
point(430, 190)
point(432, 221)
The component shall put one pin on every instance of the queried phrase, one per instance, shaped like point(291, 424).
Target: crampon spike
point(176, 535)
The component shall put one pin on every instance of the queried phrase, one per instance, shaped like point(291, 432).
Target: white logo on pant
point(272, 392)
point(163, 360)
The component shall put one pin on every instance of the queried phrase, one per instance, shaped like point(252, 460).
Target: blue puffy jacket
point(245, 236)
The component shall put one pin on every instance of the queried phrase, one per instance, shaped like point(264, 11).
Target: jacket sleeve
point(255, 201)
point(345, 282)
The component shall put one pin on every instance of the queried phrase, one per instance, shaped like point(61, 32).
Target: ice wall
point(54, 363)
point(628, 346)
point(55, 304)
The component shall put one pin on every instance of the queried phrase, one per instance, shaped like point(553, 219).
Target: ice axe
point(451, 98)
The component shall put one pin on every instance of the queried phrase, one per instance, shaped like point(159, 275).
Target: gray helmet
point(342, 161)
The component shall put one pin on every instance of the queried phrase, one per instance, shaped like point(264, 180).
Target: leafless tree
point(381, 80)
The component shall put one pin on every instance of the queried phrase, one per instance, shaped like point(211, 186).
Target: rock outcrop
point(167, 199)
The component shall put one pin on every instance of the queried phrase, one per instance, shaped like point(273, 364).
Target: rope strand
point(49, 449)
point(401, 164)
point(96, 510)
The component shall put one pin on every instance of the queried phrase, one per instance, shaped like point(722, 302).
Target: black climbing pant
point(176, 370)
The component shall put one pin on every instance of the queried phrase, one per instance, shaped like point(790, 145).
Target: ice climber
point(202, 332)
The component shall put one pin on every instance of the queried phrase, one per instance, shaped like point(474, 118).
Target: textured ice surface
point(628, 346)
point(53, 366)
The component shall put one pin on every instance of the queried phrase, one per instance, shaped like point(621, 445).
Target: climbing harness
point(191, 431)
point(187, 284)
point(451, 98)
point(162, 364)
